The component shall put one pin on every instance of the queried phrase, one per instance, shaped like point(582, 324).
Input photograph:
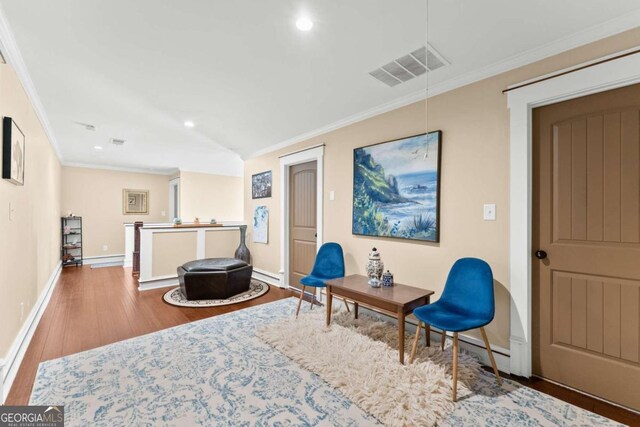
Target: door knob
point(541, 254)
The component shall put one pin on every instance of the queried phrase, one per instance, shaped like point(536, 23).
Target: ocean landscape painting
point(396, 188)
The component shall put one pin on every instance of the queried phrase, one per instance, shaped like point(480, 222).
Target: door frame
point(310, 154)
point(174, 202)
point(597, 78)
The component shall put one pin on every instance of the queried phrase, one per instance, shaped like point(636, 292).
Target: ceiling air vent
point(409, 66)
point(116, 141)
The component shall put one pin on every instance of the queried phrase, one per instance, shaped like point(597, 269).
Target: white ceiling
point(247, 77)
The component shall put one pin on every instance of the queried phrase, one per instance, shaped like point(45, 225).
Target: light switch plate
point(332, 195)
point(163, 213)
point(11, 211)
point(490, 212)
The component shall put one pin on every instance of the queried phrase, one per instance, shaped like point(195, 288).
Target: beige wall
point(171, 250)
point(475, 162)
point(96, 196)
point(208, 196)
point(30, 250)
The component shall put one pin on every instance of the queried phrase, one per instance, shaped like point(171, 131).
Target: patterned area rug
point(256, 289)
point(216, 371)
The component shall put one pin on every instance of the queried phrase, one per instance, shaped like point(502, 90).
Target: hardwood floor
point(90, 308)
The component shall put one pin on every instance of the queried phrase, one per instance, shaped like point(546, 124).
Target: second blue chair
point(329, 264)
point(466, 303)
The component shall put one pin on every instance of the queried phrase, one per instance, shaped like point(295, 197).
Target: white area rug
point(360, 358)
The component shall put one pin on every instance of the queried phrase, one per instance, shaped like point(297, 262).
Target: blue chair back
point(469, 289)
point(329, 262)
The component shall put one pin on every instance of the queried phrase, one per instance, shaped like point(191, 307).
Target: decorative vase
point(243, 251)
point(387, 278)
point(375, 267)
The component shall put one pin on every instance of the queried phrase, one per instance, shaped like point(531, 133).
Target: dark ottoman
point(214, 278)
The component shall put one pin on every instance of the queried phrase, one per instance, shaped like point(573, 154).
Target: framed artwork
point(13, 155)
point(135, 202)
point(261, 185)
point(396, 188)
point(261, 224)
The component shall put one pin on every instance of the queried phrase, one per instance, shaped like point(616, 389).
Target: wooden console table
point(397, 300)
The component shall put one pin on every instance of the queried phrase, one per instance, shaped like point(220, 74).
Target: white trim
point(104, 259)
point(14, 58)
point(572, 41)
point(266, 276)
point(10, 365)
point(174, 198)
point(164, 171)
point(317, 154)
point(470, 344)
point(128, 245)
point(158, 282)
point(609, 75)
point(589, 35)
point(201, 243)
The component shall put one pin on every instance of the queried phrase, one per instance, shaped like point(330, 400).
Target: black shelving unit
point(71, 246)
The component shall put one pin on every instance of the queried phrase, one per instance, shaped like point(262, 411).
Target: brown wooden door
point(302, 221)
point(586, 217)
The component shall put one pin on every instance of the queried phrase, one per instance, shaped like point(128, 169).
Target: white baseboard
point(266, 276)
point(467, 343)
point(115, 260)
point(158, 282)
point(11, 363)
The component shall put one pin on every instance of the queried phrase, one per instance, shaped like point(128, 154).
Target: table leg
point(401, 334)
point(355, 309)
point(329, 301)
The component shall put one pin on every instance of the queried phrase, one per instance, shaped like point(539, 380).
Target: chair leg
point(493, 361)
point(415, 343)
point(455, 366)
point(346, 305)
point(313, 297)
point(300, 302)
point(444, 339)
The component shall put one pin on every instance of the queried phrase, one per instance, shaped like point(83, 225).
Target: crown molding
point(572, 41)
point(240, 175)
point(372, 112)
point(14, 58)
point(586, 36)
point(168, 172)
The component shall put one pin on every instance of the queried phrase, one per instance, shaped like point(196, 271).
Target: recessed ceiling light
point(97, 147)
point(189, 124)
point(304, 24)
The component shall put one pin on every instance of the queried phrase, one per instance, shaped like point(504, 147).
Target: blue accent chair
point(466, 303)
point(329, 264)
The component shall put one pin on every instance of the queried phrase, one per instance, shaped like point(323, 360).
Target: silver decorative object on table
point(375, 267)
point(387, 278)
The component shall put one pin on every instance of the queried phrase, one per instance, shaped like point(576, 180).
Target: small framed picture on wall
point(261, 185)
point(13, 155)
point(135, 202)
